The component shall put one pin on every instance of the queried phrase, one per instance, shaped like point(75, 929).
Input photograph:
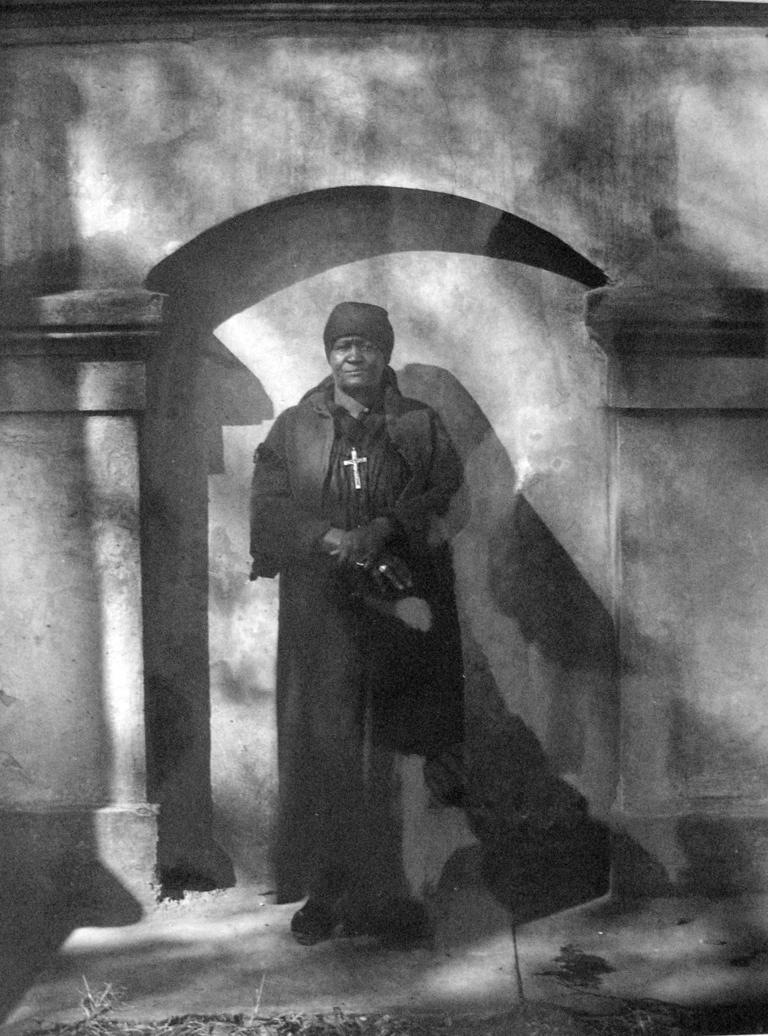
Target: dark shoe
point(313, 923)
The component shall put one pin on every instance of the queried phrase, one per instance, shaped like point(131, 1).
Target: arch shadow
point(538, 847)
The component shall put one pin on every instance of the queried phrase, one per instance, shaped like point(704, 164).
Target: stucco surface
point(72, 678)
point(692, 514)
point(115, 154)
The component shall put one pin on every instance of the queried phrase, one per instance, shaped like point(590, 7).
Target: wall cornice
point(29, 22)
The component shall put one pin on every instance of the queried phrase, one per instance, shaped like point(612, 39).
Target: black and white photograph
point(384, 518)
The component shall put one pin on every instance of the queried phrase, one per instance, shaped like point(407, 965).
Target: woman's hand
point(359, 546)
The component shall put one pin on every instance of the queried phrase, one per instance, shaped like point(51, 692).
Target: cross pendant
point(354, 462)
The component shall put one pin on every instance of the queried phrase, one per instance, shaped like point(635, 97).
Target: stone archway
point(246, 258)
point(219, 273)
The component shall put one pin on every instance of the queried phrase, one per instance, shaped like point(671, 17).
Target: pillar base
point(94, 866)
point(693, 853)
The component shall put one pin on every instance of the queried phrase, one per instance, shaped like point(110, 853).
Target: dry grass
point(528, 1019)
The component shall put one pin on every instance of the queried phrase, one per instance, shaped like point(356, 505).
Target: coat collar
point(320, 398)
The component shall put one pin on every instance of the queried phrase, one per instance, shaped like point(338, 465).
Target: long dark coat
point(348, 677)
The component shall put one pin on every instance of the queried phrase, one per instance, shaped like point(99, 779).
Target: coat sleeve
point(281, 531)
point(437, 509)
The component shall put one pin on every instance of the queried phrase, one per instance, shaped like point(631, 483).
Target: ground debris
point(577, 968)
point(528, 1019)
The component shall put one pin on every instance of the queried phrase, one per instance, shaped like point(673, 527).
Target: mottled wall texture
point(642, 151)
point(501, 354)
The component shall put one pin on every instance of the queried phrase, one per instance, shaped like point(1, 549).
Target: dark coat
point(329, 640)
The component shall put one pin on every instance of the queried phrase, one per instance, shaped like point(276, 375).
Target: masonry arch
point(221, 272)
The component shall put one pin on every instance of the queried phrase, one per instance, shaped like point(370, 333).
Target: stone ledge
point(102, 307)
point(36, 21)
point(688, 383)
point(108, 324)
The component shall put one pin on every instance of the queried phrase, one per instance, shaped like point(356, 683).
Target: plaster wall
point(72, 650)
point(696, 609)
point(72, 752)
point(692, 511)
point(114, 154)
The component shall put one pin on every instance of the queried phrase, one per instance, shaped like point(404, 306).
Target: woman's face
point(357, 364)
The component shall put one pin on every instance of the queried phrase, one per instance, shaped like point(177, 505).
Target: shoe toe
point(313, 923)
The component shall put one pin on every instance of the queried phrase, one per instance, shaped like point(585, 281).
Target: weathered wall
point(78, 837)
point(114, 154)
point(695, 681)
point(71, 658)
point(503, 357)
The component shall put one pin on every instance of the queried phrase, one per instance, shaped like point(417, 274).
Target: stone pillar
point(175, 460)
point(73, 800)
point(689, 404)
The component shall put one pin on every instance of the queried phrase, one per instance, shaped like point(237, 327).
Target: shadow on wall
point(707, 764)
point(207, 387)
point(538, 849)
point(533, 580)
point(231, 395)
point(58, 761)
point(51, 882)
point(41, 252)
point(724, 855)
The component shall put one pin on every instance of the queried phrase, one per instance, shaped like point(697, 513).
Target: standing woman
point(350, 493)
